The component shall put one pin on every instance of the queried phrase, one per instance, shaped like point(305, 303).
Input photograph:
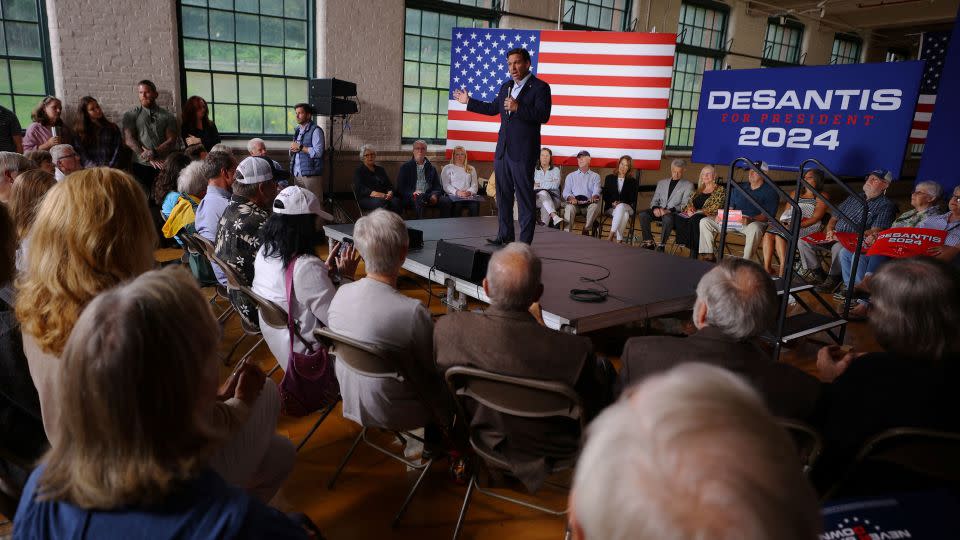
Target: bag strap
point(292, 324)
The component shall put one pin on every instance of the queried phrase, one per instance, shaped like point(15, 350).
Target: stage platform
point(642, 283)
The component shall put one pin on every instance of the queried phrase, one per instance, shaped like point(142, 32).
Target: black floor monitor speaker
point(416, 238)
point(464, 262)
point(328, 97)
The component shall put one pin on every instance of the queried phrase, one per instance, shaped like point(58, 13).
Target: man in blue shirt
point(306, 151)
point(754, 222)
point(581, 194)
point(218, 169)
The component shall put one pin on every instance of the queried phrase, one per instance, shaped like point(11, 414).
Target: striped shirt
point(942, 223)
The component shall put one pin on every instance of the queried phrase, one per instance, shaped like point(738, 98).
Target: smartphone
point(336, 250)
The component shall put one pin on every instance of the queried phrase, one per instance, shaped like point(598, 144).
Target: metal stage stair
point(809, 321)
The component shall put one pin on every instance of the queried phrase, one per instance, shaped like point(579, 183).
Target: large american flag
point(610, 91)
point(933, 49)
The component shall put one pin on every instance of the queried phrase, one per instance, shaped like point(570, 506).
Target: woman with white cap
point(288, 243)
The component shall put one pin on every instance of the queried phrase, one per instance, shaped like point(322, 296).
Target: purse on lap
point(309, 382)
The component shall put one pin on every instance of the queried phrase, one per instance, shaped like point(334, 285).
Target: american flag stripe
point(933, 49)
point(610, 91)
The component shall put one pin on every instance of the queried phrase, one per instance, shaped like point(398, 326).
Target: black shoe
point(661, 248)
point(497, 241)
point(841, 294)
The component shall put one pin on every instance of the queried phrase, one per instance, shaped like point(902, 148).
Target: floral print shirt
point(238, 240)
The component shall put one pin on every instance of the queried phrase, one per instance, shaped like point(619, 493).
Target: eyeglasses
point(918, 192)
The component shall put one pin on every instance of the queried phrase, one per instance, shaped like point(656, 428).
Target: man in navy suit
point(523, 104)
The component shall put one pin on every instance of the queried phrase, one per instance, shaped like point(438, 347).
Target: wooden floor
point(372, 487)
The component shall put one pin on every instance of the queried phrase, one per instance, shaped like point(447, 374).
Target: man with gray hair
point(507, 339)
point(65, 159)
point(257, 147)
point(736, 303)
point(11, 165)
point(373, 311)
point(691, 453)
point(670, 198)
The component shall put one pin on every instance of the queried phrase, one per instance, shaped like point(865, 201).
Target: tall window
point(846, 49)
point(426, 66)
point(597, 14)
point(781, 46)
point(701, 46)
point(250, 59)
point(25, 76)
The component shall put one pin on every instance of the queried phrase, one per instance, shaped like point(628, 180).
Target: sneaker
point(841, 294)
point(829, 284)
point(557, 221)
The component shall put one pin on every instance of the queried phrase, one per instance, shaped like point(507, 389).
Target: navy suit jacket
point(519, 139)
point(407, 179)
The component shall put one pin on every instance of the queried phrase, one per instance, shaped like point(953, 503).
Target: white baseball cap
point(296, 201)
point(254, 170)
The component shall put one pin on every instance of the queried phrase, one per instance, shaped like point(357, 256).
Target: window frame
point(625, 24)
point(45, 59)
point(849, 39)
point(707, 53)
point(789, 23)
point(311, 48)
point(442, 7)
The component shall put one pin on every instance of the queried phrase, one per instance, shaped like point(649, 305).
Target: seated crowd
point(113, 439)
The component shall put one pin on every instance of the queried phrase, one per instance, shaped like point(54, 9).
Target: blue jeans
point(866, 265)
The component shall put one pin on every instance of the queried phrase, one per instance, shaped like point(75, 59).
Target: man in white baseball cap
point(289, 252)
point(238, 233)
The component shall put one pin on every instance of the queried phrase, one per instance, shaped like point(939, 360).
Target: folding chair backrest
point(360, 357)
point(924, 451)
point(271, 313)
point(808, 441)
point(515, 396)
point(233, 278)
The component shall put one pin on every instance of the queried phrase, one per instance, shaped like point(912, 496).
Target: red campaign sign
point(848, 240)
point(817, 238)
point(906, 242)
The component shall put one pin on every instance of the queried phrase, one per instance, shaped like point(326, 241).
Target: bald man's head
point(513, 278)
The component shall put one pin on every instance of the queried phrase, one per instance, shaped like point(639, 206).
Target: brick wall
point(103, 48)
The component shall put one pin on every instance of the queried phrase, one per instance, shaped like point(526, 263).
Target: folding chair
point(275, 316)
point(373, 362)
point(233, 283)
point(923, 459)
point(512, 396)
point(605, 222)
point(193, 248)
point(808, 441)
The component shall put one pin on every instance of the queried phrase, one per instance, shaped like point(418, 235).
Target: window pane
point(248, 58)
point(275, 120)
point(250, 91)
point(23, 106)
point(23, 39)
point(222, 4)
point(6, 100)
point(3, 41)
point(411, 73)
point(222, 56)
point(251, 119)
point(271, 60)
point(271, 31)
point(428, 50)
point(295, 34)
point(195, 54)
point(250, 6)
point(412, 21)
point(295, 9)
point(248, 29)
point(226, 119)
point(428, 126)
point(430, 24)
point(22, 10)
point(194, 22)
point(273, 91)
point(221, 25)
point(271, 7)
point(428, 101)
point(224, 88)
point(296, 62)
point(411, 100)
point(296, 91)
point(411, 48)
point(4, 79)
point(428, 75)
point(411, 125)
point(198, 84)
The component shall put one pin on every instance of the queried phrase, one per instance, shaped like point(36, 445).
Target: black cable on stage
point(592, 295)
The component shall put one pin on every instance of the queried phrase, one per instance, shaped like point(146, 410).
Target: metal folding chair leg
point(319, 421)
point(273, 370)
point(346, 458)
point(412, 492)
point(466, 504)
point(233, 349)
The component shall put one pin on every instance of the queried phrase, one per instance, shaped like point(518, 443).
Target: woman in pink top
point(46, 118)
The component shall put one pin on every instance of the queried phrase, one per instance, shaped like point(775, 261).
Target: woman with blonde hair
point(459, 181)
point(704, 202)
point(93, 231)
point(136, 397)
point(28, 192)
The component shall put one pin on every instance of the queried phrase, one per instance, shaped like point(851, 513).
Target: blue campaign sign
point(854, 118)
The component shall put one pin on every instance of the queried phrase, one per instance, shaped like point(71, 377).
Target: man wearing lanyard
point(306, 152)
point(523, 104)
